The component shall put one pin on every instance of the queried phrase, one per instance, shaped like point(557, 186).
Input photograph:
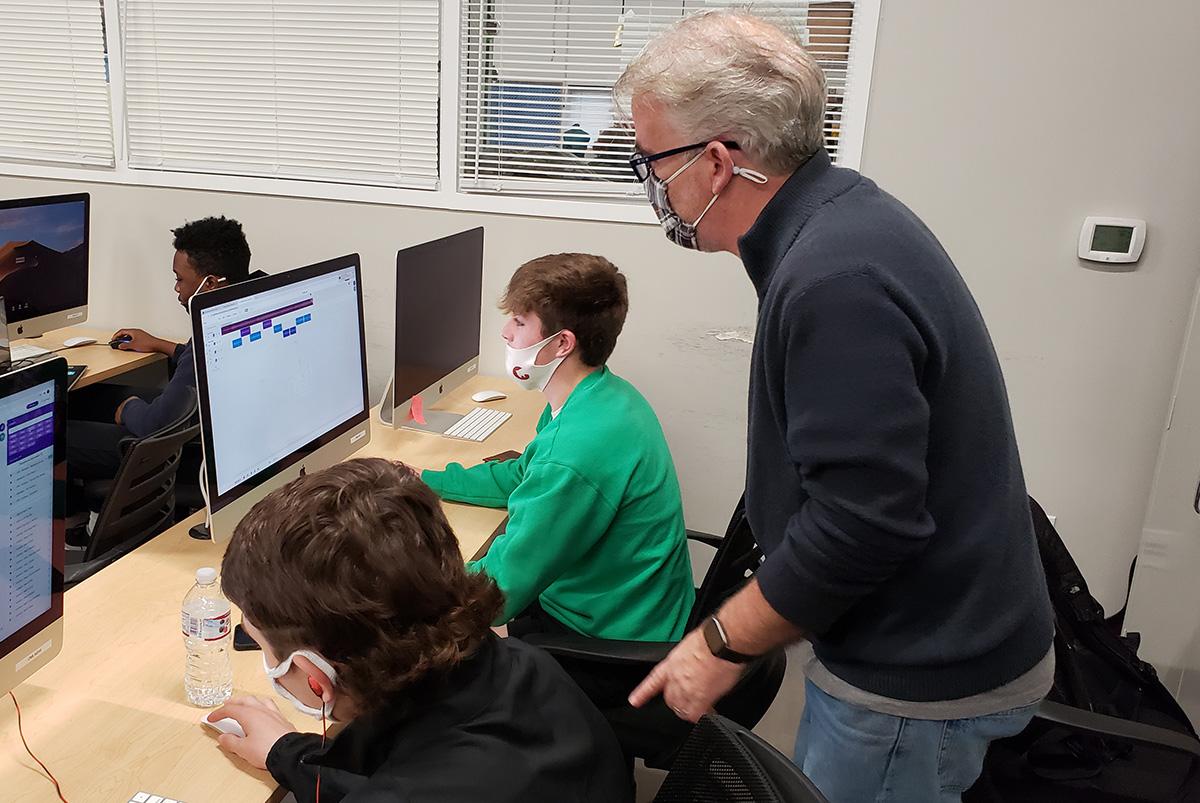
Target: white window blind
point(536, 76)
point(53, 87)
point(341, 91)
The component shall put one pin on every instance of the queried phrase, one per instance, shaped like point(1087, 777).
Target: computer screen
point(32, 456)
point(281, 371)
point(44, 262)
point(439, 290)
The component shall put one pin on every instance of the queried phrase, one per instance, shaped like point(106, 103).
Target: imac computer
point(281, 375)
point(439, 291)
point(33, 474)
point(44, 262)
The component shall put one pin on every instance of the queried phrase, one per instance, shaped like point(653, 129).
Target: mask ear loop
point(316, 689)
point(753, 175)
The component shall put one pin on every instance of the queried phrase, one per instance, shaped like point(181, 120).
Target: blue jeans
point(858, 756)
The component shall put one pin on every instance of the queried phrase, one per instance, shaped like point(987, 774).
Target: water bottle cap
point(206, 575)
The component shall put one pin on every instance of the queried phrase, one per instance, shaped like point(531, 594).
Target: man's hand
point(262, 723)
point(144, 342)
point(690, 679)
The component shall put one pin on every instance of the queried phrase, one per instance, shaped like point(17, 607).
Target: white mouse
point(226, 725)
point(488, 395)
point(72, 342)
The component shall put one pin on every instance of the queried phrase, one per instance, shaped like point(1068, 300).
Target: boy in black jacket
point(352, 581)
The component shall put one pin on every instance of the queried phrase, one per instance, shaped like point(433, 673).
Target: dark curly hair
point(216, 246)
point(358, 563)
point(580, 292)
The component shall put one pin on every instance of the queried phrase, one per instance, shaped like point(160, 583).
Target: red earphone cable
point(323, 731)
point(316, 689)
point(50, 775)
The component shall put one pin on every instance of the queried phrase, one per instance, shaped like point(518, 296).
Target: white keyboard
point(146, 797)
point(478, 424)
point(24, 351)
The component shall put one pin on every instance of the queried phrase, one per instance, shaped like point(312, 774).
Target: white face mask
point(521, 367)
point(326, 709)
point(200, 289)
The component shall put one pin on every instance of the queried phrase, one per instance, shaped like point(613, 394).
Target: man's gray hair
point(735, 75)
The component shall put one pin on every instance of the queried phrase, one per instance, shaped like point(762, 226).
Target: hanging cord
point(50, 775)
point(204, 496)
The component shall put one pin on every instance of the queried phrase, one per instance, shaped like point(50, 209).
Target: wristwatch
point(718, 643)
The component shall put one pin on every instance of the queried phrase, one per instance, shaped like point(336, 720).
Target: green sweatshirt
point(595, 529)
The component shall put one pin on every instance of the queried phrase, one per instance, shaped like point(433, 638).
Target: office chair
point(722, 762)
point(136, 504)
point(188, 496)
point(653, 732)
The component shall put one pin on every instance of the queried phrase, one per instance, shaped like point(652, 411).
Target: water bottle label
point(211, 628)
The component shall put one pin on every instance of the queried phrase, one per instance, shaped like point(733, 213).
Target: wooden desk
point(103, 361)
point(108, 715)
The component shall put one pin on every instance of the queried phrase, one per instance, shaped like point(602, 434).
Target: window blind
point(536, 76)
point(342, 92)
point(53, 83)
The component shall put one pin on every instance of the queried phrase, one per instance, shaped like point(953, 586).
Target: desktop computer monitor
point(281, 375)
point(44, 262)
point(439, 291)
point(33, 474)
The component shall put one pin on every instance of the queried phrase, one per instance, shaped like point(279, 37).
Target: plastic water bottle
point(208, 676)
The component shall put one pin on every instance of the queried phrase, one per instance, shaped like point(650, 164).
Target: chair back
point(141, 503)
point(737, 559)
point(722, 762)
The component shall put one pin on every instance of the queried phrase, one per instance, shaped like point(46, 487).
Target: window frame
point(445, 196)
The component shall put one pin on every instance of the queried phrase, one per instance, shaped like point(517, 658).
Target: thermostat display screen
point(1112, 239)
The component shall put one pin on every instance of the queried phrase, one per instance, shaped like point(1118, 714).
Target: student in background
point(352, 582)
point(208, 253)
point(595, 542)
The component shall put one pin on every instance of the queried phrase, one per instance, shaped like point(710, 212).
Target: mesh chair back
point(718, 764)
point(141, 502)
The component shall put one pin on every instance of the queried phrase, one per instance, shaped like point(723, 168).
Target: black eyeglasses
point(641, 164)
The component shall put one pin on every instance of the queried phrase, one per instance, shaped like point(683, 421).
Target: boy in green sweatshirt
point(595, 542)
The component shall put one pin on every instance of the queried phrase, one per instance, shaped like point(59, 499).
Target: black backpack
point(1097, 670)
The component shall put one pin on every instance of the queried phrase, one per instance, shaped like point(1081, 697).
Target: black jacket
point(507, 726)
point(883, 479)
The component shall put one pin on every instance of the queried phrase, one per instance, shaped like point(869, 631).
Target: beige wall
point(1002, 124)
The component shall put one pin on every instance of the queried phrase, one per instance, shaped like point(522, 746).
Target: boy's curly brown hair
point(358, 563)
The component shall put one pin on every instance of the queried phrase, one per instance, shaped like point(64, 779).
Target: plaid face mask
point(677, 230)
point(674, 227)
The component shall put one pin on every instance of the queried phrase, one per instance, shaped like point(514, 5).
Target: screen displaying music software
point(26, 505)
point(283, 369)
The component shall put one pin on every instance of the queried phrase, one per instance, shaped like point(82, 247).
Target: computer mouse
point(117, 341)
point(488, 396)
point(72, 342)
point(226, 725)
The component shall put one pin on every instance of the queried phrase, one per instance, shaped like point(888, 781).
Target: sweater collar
point(814, 183)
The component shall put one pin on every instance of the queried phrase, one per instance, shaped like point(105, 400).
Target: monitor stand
point(436, 421)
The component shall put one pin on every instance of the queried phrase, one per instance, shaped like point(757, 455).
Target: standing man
point(883, 480)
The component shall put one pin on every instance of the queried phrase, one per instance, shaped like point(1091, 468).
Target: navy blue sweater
point(144, 418)
point(883, 478)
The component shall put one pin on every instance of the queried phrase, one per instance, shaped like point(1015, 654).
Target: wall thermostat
point(1112, 239)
